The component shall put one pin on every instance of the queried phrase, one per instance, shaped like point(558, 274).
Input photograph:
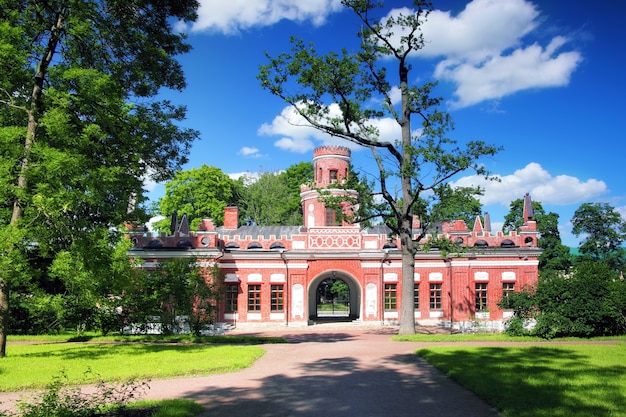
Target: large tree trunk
point(29, 141)
point(407, 303)
point(407, 306)
point(4, 316)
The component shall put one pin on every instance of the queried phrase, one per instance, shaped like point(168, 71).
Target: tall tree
point(458, 203)
point(345, 94)
point(555, 258)
point(604, 229)
point(273, 198)
point(200, 193)
point(79, 128)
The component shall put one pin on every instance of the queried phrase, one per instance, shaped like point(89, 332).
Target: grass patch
point(149, 338)
point(459, 337)
point(165, 408)
point(540, 381)
point(34, 365)
point(490, 337)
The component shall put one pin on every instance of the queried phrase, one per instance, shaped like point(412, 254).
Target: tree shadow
point(299, 337)
point(346, 387)
point(101, 351)
point(536, 380)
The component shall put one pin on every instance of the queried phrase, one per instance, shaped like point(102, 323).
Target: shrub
point(59, 399)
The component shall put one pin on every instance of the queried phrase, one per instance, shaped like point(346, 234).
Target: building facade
point(284, 274)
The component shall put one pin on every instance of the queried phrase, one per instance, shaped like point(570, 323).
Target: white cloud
point(297, 134)
point(249, 152)
point(499, 76)
point(542, 186)
point(484, 28)
point(231, 16)
point(485, 53)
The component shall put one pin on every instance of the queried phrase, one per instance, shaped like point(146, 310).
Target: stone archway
point(353, 300)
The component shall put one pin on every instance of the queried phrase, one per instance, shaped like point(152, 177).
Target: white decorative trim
point(390, 277)
point(508, 276)
point(255, 278)
point(481, 276)
point(254, 265)
point(277, 278)
point(370, 245)
point(416, 277)
point(435, 276)
point(231, 316)
point(424, 265)
point(277, 316)
point(418, 314)
point(254, 316)
point(436, 314)
point(391, 314)
point(507, 314)
point(495, 263)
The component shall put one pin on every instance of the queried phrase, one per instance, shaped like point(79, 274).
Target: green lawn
point(34, 365)
point(548, 380)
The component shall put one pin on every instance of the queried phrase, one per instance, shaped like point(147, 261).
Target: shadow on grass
point(536, 381)
point(101, 351)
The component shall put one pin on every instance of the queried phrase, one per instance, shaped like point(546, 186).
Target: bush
point(62, 400)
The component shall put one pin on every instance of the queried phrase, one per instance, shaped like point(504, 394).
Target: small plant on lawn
point(62, 400)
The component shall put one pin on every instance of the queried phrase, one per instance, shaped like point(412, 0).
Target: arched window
point(507, 243)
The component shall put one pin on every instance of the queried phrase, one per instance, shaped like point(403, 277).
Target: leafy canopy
point(80, 129)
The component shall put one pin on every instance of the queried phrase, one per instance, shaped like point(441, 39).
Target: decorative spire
point(174, 222)
point(478, 225)
point(487, 223)
point(528, 213)
point(184, 225)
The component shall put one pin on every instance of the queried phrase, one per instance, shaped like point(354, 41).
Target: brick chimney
point(231, 217)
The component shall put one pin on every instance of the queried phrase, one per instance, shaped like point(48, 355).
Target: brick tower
point(331, 166)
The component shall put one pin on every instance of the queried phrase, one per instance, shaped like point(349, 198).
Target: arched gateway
point(330, 267)
point(328, 301)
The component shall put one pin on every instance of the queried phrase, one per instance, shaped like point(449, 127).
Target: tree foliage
point(337, 93)
point(455, 204)
point(555, 258)
point(589, 302)
point(604, 231)
point(79, 128)
point(273, 198)
point(175, 292)
point(199, 193)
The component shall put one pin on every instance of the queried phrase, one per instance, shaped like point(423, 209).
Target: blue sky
point(543, 78)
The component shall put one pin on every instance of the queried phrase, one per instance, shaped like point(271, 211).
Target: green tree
point(589, 302)
point(337, 93)
point(456, 204)
point(199, 193)
point(79, 128)
point(273, 198)
point(555, 258)
point(175, 289)
point(604, 229)
point(296, 175)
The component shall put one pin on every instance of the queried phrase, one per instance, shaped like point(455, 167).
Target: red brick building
point(281, 274)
